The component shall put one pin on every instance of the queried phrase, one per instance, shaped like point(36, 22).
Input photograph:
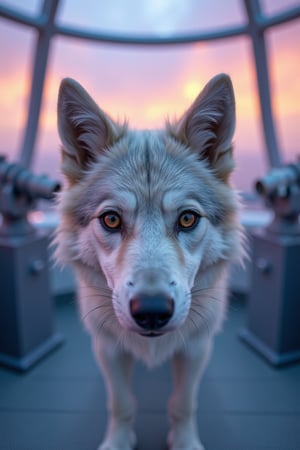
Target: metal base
point(274, 358)
point(24, 363)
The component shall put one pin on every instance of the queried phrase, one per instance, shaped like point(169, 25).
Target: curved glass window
point(31, 7)
point(271, 7)
point(148, 83)
point(284, 51)
point(148, 86)
point(151, 16)
point(15, 71)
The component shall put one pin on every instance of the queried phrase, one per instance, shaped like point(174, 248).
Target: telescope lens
point(259, 186)
point(56, 187)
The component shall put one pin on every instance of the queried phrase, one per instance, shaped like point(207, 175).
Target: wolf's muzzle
point(151, 312)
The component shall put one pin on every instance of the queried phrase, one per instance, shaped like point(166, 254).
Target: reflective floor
point(244, 404)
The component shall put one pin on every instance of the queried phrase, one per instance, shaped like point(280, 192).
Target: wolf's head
point(148, 216)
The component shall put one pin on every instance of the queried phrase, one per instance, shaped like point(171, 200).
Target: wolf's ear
point(208, 125)
point(85, 130)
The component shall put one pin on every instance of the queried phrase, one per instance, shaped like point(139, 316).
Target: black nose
point(151, 312)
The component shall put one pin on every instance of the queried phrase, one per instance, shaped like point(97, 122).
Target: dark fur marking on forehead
point(148, 164)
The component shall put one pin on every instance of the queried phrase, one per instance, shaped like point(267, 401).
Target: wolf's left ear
point(208, 125)
point(85, 130)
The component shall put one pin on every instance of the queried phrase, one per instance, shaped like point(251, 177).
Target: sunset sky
point(147, 84)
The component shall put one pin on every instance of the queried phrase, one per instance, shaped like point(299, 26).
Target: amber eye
point(111, 221)
point(188, 220)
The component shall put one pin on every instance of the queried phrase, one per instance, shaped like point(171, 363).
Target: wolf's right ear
point(85, 130)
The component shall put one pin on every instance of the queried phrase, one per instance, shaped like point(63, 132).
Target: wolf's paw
point(117, 442)
point(183, 441)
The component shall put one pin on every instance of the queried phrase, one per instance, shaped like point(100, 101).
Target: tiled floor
point(244, 404)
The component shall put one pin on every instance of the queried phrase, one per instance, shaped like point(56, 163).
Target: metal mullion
point(45, 33)
point(262, 75)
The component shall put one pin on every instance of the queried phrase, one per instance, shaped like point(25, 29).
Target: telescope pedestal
point(273, 327)
point(26, 309)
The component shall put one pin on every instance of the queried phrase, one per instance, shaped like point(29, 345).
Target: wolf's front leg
point(116, 368)
point(188, 366)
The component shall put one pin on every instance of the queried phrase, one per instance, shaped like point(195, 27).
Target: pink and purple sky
point(147, 84)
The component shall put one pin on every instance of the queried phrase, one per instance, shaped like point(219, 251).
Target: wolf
point(149, 221)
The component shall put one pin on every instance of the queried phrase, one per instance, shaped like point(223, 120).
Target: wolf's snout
point(151, 312)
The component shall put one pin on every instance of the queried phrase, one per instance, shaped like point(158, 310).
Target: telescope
point(273, 305)
point(280, 189)
point(279, 181)
point(26, 319)
point(24, 182)
point(19, 191)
